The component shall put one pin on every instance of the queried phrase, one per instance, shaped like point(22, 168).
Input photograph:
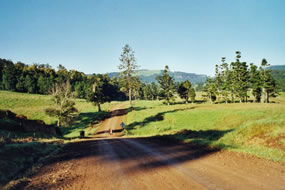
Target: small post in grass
point(82, 133)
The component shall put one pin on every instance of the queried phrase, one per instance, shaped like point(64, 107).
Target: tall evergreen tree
point(240, 78)
point(225, 80)
point(128, 66)
point(166, 83)
point(268, 83)
point(255, 82)
point(154, 90)
point(210, 90)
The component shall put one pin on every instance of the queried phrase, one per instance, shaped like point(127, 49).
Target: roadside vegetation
point(27, 136)
point(254, 128)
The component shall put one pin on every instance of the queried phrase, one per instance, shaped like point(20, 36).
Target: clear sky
point(189, 36)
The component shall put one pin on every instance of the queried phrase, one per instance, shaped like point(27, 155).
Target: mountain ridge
point(149, 76)
point(276, 67)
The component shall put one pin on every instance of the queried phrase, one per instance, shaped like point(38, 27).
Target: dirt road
point(154, 163)
point(112, 123)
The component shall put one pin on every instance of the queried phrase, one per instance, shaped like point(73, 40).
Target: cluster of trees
point(234, 82)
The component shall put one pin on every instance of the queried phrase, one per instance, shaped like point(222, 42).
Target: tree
point(184, 90)
point(101, 91)
point(167, 86)
point(240, 78)
point(64, 109)
point(225, 77)
point(128, 66)
point(154, 88)
point(44, 84)
point(255, 82)
point(9, 80)
point(192, 94)
point(210, 90)
point(30, 84)
point(147, 95)
point(268, 83)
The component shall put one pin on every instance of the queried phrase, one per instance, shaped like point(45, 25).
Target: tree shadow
point(90, 119)
point(157, 151)
point(85, 120)
point(143, 153)
point(155, 118)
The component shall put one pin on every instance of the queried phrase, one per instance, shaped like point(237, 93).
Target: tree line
point(96, 88)
point(237, 80)
point(232, 82)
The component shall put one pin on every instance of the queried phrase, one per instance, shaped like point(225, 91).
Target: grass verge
point(253, 128)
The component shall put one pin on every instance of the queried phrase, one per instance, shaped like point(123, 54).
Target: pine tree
point(166, 83)
point(255, 82)
point(225, 80)
point(218, 82)
point(128, 66)
point(154, 90)
point(240, 78)
point(210, 90)
point(268, 83)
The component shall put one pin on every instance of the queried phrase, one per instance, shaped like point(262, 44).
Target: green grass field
point(253, 128)
point(33, 107)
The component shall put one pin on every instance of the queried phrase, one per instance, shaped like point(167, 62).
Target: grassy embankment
point(32, 106)
point(21, 153)
point(254, 128)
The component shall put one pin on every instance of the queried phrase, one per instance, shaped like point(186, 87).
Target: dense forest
point(40, 79)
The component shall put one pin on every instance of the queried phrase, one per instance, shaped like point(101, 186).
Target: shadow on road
point(145, 152)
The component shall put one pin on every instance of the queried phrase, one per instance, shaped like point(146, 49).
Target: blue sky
point(189, 36)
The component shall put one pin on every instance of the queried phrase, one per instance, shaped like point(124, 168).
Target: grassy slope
point(33, 106)
point(258, 129)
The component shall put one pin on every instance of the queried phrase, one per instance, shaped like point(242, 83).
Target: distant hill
point(276, 67)
point(278, 73)
point(149, 76)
